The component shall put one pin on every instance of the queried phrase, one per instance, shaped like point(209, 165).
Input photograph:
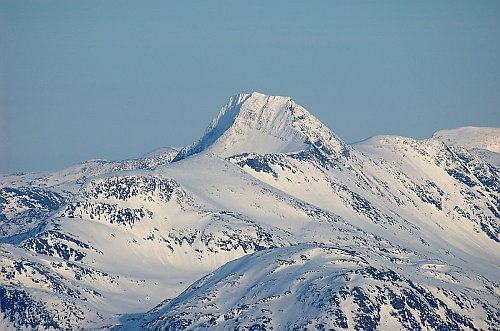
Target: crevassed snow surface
point(267, 221)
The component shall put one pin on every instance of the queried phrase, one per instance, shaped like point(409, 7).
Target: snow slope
point(312, 286)
point(262, 124)
point(484, 142)
point(472, 138)
point(27, 199)
point(268, 220)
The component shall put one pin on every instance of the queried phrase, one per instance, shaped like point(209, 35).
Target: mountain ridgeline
point(269, 221)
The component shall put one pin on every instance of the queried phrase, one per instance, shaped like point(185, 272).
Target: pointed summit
point(262, 124)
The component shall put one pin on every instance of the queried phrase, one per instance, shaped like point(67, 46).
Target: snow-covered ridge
point(390, 233)
point(483, 142)
point(72, 177)
point(471, 138)
point(337, 288)
point(259, 123)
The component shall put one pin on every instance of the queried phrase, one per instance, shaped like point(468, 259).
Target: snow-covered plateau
point(269, 221)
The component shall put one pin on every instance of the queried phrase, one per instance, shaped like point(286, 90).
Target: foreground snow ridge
point(269, 221)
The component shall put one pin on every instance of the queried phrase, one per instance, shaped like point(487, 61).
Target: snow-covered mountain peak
point(391, 233)
point(263, 124)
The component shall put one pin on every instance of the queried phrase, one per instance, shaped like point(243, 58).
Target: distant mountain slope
point(471, 138)
point(27, 199)
point(267, 221)
point(484, 142)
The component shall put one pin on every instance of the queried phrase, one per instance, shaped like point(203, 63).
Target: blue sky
point(116, 79)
